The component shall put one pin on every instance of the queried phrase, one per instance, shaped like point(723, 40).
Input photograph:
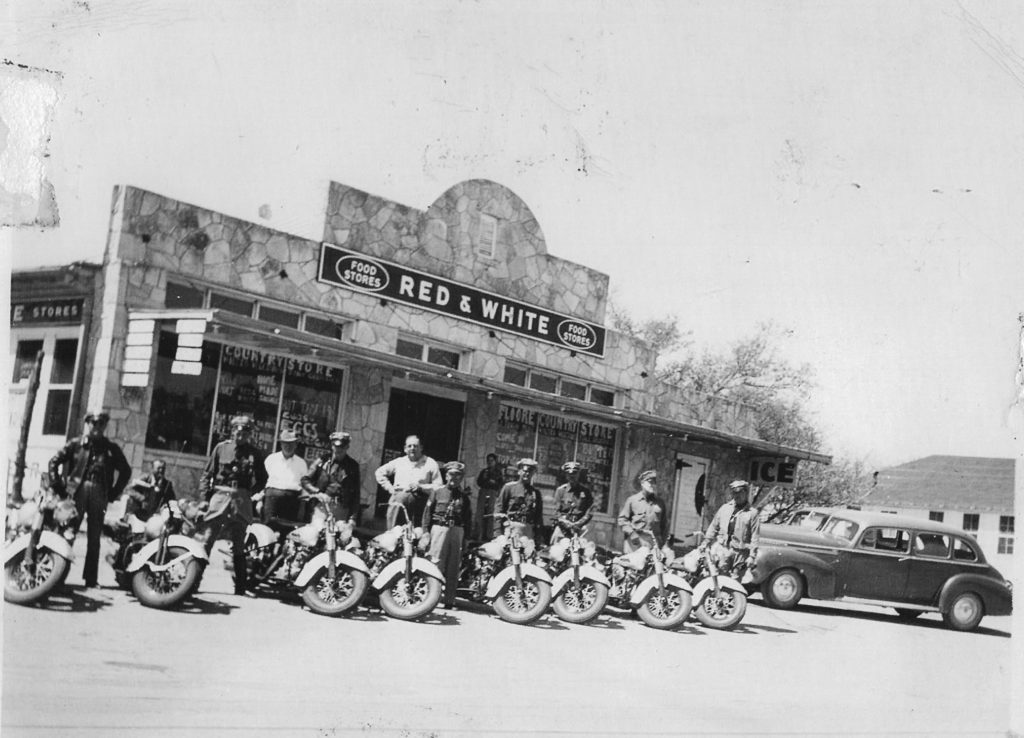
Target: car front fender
point(995, 595)
point(643, 589)
point(396, 569)
point(818, 565)
point(587, 573)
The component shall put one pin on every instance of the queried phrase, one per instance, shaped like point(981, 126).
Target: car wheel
point(783, 589)
point(908, 614)
point(965, 612)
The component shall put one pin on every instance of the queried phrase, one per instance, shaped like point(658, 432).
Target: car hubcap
point(964, 610)
point(785, 588)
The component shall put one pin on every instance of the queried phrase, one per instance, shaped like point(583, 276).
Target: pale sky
point(849, 170)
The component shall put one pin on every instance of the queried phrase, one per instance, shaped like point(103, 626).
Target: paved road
point(95, 663)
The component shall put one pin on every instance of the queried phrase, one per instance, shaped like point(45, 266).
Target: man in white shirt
point(408, 479)
point(284, 472)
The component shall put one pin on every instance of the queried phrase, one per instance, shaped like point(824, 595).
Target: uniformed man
point(644, 515)
point(92, 471)
point(150, 491)
point(408, 479)
point(522, 502)
point(447, 517)
point(737, 527)
point(235, 470)
point(489, 482)
point(337, 475)
point(573, 500)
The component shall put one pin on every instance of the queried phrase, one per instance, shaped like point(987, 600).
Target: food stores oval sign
point(362, 273)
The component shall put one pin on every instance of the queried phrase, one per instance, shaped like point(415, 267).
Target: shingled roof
point(956, 483)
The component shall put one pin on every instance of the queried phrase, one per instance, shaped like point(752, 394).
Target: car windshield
point(841, 528)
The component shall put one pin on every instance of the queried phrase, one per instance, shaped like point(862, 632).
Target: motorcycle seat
point(284, 524)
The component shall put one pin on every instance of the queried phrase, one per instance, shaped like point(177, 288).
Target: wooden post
point(26, 421)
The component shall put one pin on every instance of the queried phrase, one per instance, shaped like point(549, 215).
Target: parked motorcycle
point(501, 572)
point(168, 567)
point(37, 552)
point(720, 600)
point(409, 586)
point(641, 581)
point(318, 558)
point(580, 591)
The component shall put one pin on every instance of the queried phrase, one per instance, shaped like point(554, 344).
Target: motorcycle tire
point(166, 589)
point(723, 612)
point(327, 598)
point(668, 612)
point(22, 589)
point(257, 560)
point(580, 604)
point(522, 608)
point(423, 595)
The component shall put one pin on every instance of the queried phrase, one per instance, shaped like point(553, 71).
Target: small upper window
point(971, 522)
point(543, 382)
point(1005, 545)
point(321, 327)
point(515, 375)
point(573, 390)
point(936, 515)
point(183, 296)
point(602, 397)
point(429, 353)
point(1006, 524)
point(488, 235)
point(231, 304)
point(280, 317)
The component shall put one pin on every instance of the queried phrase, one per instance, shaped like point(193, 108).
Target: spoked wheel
point(25, 583)
point(580, 603)
point(722, 612)
point(665, 611)
point(327, 597)
point(522, 605)
point(413, 599)
point(165, 588)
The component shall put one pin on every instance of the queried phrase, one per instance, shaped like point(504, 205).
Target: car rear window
point(895, 540)
point(933, 545)
point(963, 551)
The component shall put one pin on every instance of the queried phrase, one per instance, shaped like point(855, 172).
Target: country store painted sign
point(395, 282)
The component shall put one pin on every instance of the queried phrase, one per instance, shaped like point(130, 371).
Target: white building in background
point(968, 492)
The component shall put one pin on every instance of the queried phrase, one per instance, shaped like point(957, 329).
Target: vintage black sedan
point(911, 565)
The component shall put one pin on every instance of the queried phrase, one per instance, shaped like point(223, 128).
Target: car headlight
point(1009, 584)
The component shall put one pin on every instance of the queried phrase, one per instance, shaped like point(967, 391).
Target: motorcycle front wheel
point(24, 584)
point(665, 612)
point(327, 597)
point(580, 603)
point(168, 587)
point(722, 612)
point(413, 601)
point(523, 605)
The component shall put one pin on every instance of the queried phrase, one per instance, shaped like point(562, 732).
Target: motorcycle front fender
point(142, 557)
point(508, 573)
point(264, 534)
point(587, 573)
point(708, 585)
point(320, 561)
point(47, 539)
point(651, 582)
point(395, 569)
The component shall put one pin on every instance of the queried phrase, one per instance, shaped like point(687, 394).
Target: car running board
point(886, 603)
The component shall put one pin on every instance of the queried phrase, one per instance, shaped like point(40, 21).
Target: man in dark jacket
point(521, 501)
point(447, 517)
point(93, 471)
point(151, 491)
point(573, 500)
point(234, 472)
point(337, 475)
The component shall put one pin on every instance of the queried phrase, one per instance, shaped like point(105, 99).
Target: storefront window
point(250, 384)
point(55, 416)
point(310, 406)
point(25, 359)
point(179, 416)
point(552, 440)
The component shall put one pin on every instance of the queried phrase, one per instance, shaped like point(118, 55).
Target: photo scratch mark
point(28, 99)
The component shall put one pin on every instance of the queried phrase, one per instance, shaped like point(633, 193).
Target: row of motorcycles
point(333, 572)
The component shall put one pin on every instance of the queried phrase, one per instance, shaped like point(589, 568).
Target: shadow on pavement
point(71, 599)
point(547, 622)
point(603, 622)
point(889, 617)
point(754, 629)
point(438, 618)
point(364, 614)
point(198, 606)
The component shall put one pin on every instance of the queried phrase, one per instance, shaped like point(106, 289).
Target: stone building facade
point(452, 322)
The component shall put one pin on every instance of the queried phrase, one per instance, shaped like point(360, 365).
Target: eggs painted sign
point(391, 281)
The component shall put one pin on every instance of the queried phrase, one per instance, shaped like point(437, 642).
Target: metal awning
point(267, 337)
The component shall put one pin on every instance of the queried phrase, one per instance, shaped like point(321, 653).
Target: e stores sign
point(427, 291)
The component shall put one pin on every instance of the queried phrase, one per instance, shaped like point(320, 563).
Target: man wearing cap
point(489, 481)
point(235, 470)
point(447, 517)
point(737, 526)
point(573, 500)
point(408, 479)
point(92, 471)
point(285, 471)
point(150, 491)
point(644, 516)
point(336, 474)
point(521, 501)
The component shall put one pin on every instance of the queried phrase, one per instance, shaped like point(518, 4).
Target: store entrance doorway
point(437, 420)
point(688, 500)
